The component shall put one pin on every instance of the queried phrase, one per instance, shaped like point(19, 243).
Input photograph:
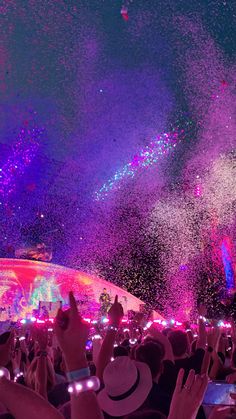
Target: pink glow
point(23, 283)
point(198, 191)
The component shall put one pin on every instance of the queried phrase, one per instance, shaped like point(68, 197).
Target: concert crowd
point(70, 368)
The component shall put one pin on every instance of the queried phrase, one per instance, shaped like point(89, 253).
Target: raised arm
point(211, 352)
point(202, 337)
point(115, 315)
point(188, 398)
point(72, 334)
point(41, 370)
point(23, 402)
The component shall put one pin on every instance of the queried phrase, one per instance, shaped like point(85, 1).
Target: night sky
point(98, 86)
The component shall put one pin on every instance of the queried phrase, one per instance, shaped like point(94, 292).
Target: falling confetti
point(23, 152)
point(103, 80)
point(124, 13)
point(156, 149)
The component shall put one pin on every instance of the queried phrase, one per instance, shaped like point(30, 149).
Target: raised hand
point(213, 337)
point(202, 336)
point(187, 399)
point(72, 334)
point(116, 313)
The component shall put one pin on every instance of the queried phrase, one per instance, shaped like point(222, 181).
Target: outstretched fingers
point(201, 382)
point(179, 381)
point(57, 325)
point(204, 385)
point(190, 380)
point(74, 313)
point(73, 305)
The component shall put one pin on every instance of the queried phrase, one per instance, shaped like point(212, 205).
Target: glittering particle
point(124, 13)
point(156, 149)
point(23, 152)
point(103, 81)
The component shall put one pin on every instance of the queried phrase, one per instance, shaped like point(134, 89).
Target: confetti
point(156, 149)
point(103, 82)
point(23, 152)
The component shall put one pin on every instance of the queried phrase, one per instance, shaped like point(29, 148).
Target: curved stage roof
point(23, 283)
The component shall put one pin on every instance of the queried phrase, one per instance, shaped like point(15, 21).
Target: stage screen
point(25, 283)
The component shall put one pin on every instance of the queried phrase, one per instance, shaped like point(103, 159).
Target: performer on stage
point(105, 301)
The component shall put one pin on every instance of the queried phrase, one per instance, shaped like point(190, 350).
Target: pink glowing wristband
point(4, 373)
point(111, 327)
point(90, 383)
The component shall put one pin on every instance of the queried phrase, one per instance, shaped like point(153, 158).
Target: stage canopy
point(24, 283)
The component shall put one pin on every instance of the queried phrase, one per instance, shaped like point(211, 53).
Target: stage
point(24, 283)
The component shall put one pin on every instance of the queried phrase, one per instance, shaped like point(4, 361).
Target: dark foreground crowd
point(72, 371)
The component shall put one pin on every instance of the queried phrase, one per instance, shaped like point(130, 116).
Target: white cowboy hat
point(127, 385)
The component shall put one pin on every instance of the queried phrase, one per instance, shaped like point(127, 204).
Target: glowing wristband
point(91, 383)
point(78, 374)
point(4, 373)
point(96, 337)
point(114, 328)
point(133, 341)
point(20, 374)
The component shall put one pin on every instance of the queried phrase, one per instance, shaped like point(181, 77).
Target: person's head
point(125, 343)
point(179, 343)
point(126, 335)
point(31, 374)
point(146, 414)
point(127, 384)
point(104, 290)
point(152, 354)
point(166, 331)
point(120, 351)
point(150, 338)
